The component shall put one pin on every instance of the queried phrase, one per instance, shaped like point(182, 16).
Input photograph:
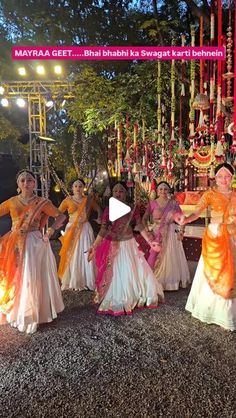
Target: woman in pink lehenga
point(169, 265)
point(124, 279)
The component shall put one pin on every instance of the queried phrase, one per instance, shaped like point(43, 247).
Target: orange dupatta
point(70, 239)
point(218, 254)
point(12, 246)
point(218, 262)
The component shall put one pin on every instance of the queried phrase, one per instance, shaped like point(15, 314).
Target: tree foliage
point(106, 91)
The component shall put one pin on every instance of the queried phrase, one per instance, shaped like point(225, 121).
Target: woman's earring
point(18, 190)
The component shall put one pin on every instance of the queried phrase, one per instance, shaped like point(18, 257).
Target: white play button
point(117, 209)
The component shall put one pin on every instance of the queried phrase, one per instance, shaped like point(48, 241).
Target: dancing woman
point(124, 279)
point(75, 271)
point(169, 265)
point(212, 298)
point(29, 290)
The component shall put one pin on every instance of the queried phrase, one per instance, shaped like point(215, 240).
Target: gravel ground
point(156, 363)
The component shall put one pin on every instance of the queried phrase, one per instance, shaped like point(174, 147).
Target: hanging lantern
point(201, 123)
point(201, 102)
point(163, 163)
point(136, 168)
point(57, 188)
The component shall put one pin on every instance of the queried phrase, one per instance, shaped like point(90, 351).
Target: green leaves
point(6, 128)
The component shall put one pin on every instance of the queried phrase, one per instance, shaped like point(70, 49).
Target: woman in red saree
point(124, 279)
point(75, 271)
point(212, 298)
point(29, 290)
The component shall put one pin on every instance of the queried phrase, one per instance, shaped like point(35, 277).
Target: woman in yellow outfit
point(75, 271)
point(29, 290)
point(212, 298)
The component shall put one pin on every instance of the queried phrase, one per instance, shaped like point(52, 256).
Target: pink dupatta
point(161, 230)
point(107, 251)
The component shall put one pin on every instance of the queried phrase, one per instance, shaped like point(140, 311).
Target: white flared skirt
point(39, 300)
point(133, 283)
point(172, 270)
point(80, 274)
point(206, 305)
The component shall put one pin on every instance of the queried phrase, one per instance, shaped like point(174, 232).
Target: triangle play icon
point(117, 209)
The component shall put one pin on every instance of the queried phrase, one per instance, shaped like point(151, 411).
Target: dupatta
point(70, 239)
point(106, 253)
point(219, 253)
point(161, 231)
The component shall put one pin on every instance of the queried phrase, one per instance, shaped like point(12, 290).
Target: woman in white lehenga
point(170, 266)
point(75, 271)
point(212, 298)
point(29, 289)
point(124, 279)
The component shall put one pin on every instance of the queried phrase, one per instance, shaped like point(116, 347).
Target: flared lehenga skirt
point(133, 283)
point(80, 274)
point(208, 306)
point(172, 270)
point(39, 298)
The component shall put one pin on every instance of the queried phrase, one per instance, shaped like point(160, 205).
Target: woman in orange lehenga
point(75, 271)
point(29, 290)
point(212, 298)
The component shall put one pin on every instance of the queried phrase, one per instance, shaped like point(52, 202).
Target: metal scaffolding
point(36, 92)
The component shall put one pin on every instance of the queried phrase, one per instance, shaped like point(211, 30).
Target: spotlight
point(20, 102)
point(2, 90)
point(21, 71)
point(5, 102)
point(49, 103)
point(40, 70)
point(57, 69)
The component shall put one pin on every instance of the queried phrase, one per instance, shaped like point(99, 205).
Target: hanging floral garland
point(73, 151)
point(57, 180)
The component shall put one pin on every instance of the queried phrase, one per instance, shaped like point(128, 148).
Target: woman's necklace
point(224, 192)
point(162, 202)
point(77, 199)
point(26, 200)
